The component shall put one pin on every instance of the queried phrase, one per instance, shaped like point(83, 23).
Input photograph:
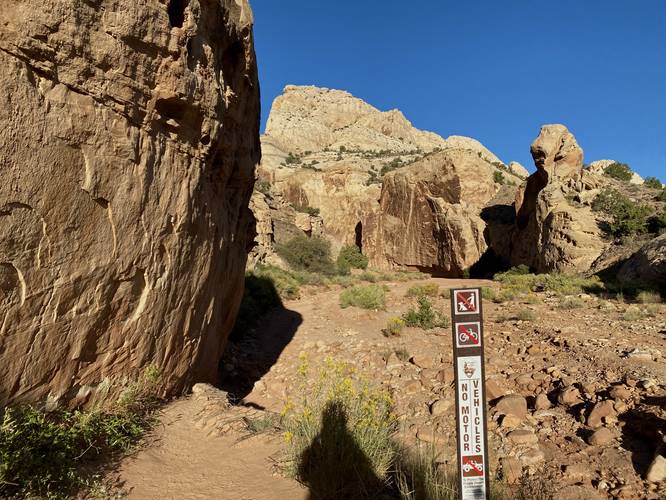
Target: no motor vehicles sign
point(469, 368)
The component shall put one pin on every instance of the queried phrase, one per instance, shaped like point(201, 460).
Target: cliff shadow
point(263, 329)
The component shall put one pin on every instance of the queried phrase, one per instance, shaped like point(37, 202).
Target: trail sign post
point(469, 369)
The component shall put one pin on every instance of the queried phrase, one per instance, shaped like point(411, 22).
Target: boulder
point(430, 214)
point(513, 404)
point(648, 265)
point(551, 234)
point(129, 136)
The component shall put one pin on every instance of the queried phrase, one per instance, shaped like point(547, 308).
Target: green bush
point(305, 209)
point(394, 327)
point(498, 177)
point(339, 431)
point(526, 315)
point(365, 297)
point(619, 171)
point(571, 302)
point(628, 218)
point(286, 284)
point(648, 297)
point(263, 186)
point(425, 290)
point(661, 196)
point(41, 453)
point(353, 257)
point(425, 317)
point(657, 223)
point(653, 183)
point(308, 254)
point(560, 283)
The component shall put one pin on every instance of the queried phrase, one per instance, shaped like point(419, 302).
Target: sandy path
point(188, 462)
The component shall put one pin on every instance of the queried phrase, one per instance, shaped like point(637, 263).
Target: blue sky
point(495, 71)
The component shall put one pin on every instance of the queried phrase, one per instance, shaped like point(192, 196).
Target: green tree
point(653, 182)
point(619, 171)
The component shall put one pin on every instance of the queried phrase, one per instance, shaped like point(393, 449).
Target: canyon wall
point(129, 135)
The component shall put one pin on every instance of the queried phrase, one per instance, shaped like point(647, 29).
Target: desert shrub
point(292, 159)
point(402, 354)
point(507, 295)
point(498, 177)
point(531, 298)
point(353, 257)
point(526, 315)
point(339, 431)
point(661, 196)
point(653, 183)
point(424, 290)
point(394, 326)
point(619, 171)
point(365, 297)
point(627, 217)
point(342, 267)
point(652, 310)
point(425, 316)
point(370, 277)
point(571, 302)
point(648, 297)
point(488, 293)
point(633, 313)
point(560, 283)
point(287, 286)
point(657, 223)
point(263, 186)
point(265, 422)
point(418, 476)
point(308, 254)
point(41, 453)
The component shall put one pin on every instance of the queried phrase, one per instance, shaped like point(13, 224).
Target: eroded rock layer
point(551, 234)
point(128, 141)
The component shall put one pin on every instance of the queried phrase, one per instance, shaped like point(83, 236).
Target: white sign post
point(469, 369)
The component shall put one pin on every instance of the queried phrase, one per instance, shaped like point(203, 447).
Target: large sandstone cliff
point(128, 141)
point(327, 150)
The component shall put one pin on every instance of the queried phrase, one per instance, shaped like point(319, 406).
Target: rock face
point(313, 119)
point(430, 213)
point(128, 141)
point(648, 265)
point(518, 169)
point(327, 150)
point(551, 234)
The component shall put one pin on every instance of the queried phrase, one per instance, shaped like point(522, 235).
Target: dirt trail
point(201, 449)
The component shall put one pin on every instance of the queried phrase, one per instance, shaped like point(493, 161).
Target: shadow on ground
point(641, 431)
point(263, 330)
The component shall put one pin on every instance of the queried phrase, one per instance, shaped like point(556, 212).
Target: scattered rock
point(657, 470)
point(542, 402)
point(494, 389)
point(532, 457)
point(440, 407)
point(523, 437)
point(601, 437)
point(620, 393)
point(512, 469)
point(600, 414)
point(569, 396)
point(513, 404)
